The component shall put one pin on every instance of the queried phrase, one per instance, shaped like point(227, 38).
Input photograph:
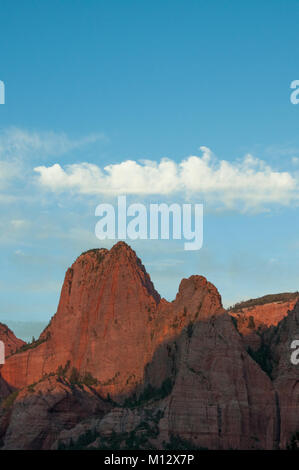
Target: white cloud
point(247, 184)
point(19, 143)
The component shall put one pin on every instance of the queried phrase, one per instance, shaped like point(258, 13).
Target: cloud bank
point(246, 184)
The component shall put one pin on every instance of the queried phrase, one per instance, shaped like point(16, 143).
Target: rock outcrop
point(123, 368)
point(42, 411)
point(11, 342)
point(109, 322)
point(258, 315)
point(284, 373)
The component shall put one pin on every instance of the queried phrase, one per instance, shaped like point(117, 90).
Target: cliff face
point(268, 328)
point(284, 373)
point(100, 326)
point(221, 399)
point(109, 322)
point(268, 311)
point(41, 412)
point(11, 345)
point(181, 367)
point(11, 342)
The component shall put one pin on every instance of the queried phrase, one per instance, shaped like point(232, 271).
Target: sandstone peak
point(109, 301)
point(113, 339)
point(120, 257)
point(198, 282)
point(119, 247)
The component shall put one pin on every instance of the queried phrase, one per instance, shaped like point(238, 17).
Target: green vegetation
point(111, 380)
point(9, 401)
point(31, 388)
point(75, 377)
point(83, 441)
point(137, 439)
point(266, 299)
point(150, 393)
point(62, 371)
point(89, 380)
point(34, 343)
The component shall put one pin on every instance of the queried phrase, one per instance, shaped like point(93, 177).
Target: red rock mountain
point(160, 374)
point(11, 342)
point(110, 321)
point(257, 315)
point(285, 375)
point(11, 345)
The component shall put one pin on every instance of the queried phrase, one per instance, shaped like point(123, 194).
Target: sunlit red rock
point(109, 322)
point(263, 313)
point(182, 367)
point(11, 342)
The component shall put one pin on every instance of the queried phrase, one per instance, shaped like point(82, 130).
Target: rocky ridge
point(119, 367)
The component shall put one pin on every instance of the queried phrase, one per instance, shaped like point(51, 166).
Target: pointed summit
point(109, 322)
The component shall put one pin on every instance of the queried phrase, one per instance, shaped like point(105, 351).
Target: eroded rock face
point(285, 374)
point(164, 370)
point(11, 342)
point(253, 320)
point(217, 398)
point(268, 331)
point(42, 411)
point(110, 321)
point(101, 326)
point(220, 394)
point(11, 345)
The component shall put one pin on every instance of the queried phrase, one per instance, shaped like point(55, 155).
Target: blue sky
point(102, 83)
